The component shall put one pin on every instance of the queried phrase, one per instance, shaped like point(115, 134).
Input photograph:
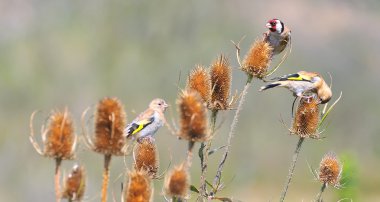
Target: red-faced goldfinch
point(303, 84)
point(278, 35)
point(149, 121)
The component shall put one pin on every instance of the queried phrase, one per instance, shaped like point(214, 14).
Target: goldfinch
point(278, 35)
point(303, 84)
point(149, 121)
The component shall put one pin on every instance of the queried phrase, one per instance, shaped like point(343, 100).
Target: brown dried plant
point(75, 184)
point(220, 73)
point(305, 125)
point(306, 119)
point(193, 117)
point(330, 171)
point(256, 61)
point(59, 141)
point(139, 187)
point(109, 140)
point(193, 120)
point(177, 182)
point(145, 156)
point(199, 80)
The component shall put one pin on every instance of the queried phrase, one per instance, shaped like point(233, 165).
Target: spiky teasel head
point(330, 170)
point(75, 184)
point(177, 182)
point(306, 119)
point(139, 187)
point(220, 73)
point(193, 117)
point(60, 138)
point(146, 156)
point(199, 80)
point(257, 60)
point(109, 125)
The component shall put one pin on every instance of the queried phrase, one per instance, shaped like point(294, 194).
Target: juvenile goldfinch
point(149, 121)
point(303, 84)
point(278, 35)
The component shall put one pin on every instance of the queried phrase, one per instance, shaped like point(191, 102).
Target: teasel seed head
point(75, 184)
point(146, 156)
point(193, 117)
point(110, 121)
point(220, 73)
point(330, 170)
point(199, 80)
point(60, 138)
point(139, 187)
point(257, 60)
point(306, 119)
point(177, 182)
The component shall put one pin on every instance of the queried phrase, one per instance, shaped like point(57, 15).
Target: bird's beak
point(268, 25)
point(166, 105)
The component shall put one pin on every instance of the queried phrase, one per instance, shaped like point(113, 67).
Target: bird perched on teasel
point(149, 121)
point(303, 84)
point(278, 35)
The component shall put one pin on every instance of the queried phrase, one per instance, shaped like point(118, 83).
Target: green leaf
point(209, 184)
point(194, 189)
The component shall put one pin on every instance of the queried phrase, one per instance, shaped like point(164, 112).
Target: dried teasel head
point(139, 187)
point(177, 182)
point(330, 170)
point(110, 121)
point(60, 139)
point(257, 60)
point(306, 119)
point(199, 80)
point(146, 156)
point(220, 73)
point(193, 117)
point(75, 184)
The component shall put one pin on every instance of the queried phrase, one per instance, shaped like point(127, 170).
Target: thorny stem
point(291, 168)
point(319, 197)
point(106, 175)
point(218, 175)
point(57, 173)
point(205, 153)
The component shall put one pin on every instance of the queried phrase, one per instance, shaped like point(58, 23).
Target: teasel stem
point(106, 175)
point(190, 154)
point(57, 180)
point(205, 148)
point(291, 168)
point(319, 197)
point(231, 133)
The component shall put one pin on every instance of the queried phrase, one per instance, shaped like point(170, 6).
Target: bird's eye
point(159, 103)
point(273, 23)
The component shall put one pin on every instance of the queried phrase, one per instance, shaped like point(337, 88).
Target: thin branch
point(106, 175)
point(237, 46)
point(319, 197)
point(57, 180)
point(231, 133)
point(32, 137)
point(291, 169)
point(204, 151)
point(87, 139)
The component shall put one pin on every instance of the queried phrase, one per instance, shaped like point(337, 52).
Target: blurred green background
point(55, 54)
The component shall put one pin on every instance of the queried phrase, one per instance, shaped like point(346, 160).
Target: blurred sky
point(55, 54)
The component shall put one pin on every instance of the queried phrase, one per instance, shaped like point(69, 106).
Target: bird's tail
point(272, 85)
